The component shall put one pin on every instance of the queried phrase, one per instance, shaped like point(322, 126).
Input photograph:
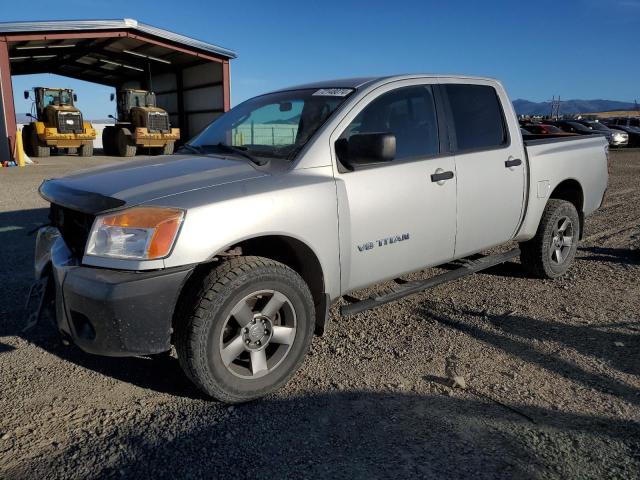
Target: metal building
point(190, 77)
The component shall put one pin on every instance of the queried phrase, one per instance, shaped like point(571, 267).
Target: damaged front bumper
point(105, 311)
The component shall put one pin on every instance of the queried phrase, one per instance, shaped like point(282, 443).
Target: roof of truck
point(360, 82)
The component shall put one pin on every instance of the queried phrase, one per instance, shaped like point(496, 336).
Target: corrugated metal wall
point(194, 96)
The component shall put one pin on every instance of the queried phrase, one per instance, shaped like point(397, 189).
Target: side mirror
point(75, 97)
point(366, 148)
point(111, 116)
point(112, 97)
point(26, 94)
point(30, 116)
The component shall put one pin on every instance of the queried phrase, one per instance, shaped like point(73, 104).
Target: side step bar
point(417, 286)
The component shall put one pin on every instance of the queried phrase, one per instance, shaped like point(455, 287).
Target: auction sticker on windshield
point(333, 92)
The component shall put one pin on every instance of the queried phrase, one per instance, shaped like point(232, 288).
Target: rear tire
point(551, 252)
point(247, 330)
point(38, 148)
point(124, 143)
point(86, 149)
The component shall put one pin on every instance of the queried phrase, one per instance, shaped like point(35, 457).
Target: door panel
point(394, 220)
point(393, 217)
point(490, 198)
point(491, 172)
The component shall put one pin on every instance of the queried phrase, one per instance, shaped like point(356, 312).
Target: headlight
point(140, 233)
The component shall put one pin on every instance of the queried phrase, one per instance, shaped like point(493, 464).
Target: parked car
point(233, 251)
point(632, 132)
point(545, 129)
point(626, 121)
point(616, 138)
point(573, 126)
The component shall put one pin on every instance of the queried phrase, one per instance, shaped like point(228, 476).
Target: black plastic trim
point(515, 162)
point(56, 192)
point(438, 177)
point(410, 288)
point(127, 312)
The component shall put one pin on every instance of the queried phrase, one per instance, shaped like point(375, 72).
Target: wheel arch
point(571, 191)
point(287, 250)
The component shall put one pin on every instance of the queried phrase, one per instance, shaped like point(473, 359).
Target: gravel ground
point(552, 370)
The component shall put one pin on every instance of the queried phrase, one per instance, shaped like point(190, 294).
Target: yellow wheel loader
point(57, 124)
point(140, 124)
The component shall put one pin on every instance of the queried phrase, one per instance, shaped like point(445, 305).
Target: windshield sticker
point(333, 92)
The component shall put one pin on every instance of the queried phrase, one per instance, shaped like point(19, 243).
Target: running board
point(410, 288)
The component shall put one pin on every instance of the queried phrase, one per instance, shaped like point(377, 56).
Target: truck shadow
point(16, 263)
point(354, 435)
point(624, 256)
point(513, 333)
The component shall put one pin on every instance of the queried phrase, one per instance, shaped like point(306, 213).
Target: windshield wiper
point(240, 151)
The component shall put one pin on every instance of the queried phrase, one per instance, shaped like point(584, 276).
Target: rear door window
point(477, 117)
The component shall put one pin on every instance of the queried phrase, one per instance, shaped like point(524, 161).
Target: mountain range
point(525, 107)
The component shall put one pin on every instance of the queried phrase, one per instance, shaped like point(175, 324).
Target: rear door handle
point(440, 176)
point(513, 162)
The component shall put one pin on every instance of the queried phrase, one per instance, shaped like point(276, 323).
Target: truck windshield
point(275, 125)
point(142, 99)
point(56, 97)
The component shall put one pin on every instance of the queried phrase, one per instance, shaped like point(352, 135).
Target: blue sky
point(583, 49)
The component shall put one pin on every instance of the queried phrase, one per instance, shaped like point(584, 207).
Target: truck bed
point(555, 160)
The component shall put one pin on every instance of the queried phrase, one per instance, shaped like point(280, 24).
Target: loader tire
point(125, 143)
point(86, 149)
point(38, 148)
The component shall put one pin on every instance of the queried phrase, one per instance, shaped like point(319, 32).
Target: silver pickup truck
point(234, 249)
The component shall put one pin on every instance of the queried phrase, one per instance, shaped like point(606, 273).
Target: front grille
point(158, 122)
point(74, 227)
point(70, 122)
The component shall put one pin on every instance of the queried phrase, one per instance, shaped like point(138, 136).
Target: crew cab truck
point(140, 124)
point(233, 249)
point(57, 124)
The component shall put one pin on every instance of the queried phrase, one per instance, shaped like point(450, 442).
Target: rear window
point(477, 117)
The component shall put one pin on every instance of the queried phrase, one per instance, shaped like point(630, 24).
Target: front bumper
point(156, 139)
point(113, 312)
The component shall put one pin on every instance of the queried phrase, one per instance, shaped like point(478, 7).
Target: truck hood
point(132, 183)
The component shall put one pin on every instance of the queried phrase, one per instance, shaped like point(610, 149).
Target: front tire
point(247, 330)
point(109, 140)
point(86, 149)
point(167, 149)
point(126, 147)
point(37, 147)
point(551, 252)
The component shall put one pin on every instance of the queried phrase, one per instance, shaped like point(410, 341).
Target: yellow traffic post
point(19, 149)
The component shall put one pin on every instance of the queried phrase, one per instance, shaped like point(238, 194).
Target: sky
point(578, 49)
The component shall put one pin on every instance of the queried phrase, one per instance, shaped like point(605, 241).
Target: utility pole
point(555, 107)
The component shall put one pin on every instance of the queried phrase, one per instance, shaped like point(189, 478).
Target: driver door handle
point(440, 176)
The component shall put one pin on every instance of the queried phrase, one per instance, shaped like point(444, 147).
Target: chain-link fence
point(261, 134)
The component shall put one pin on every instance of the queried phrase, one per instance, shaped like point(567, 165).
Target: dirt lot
point(553, 369)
